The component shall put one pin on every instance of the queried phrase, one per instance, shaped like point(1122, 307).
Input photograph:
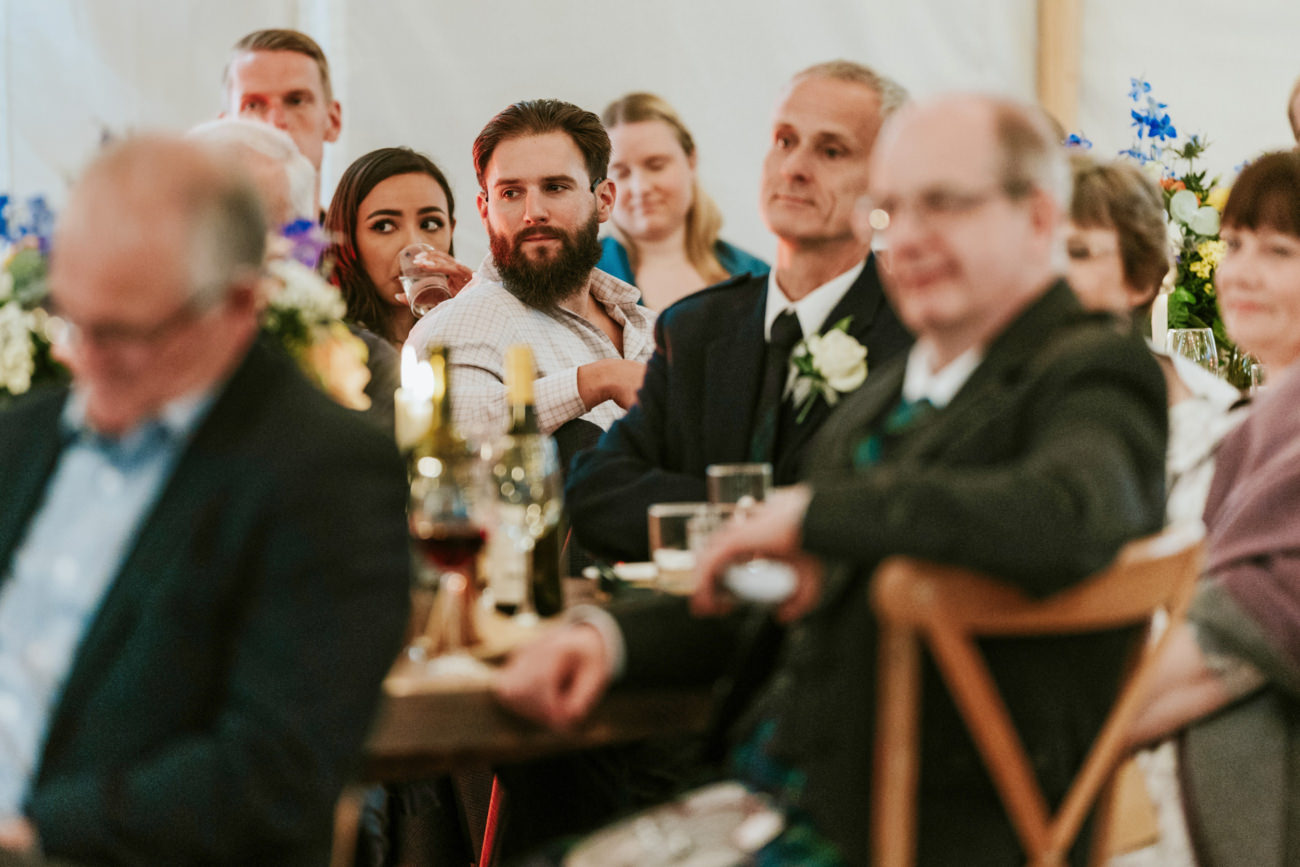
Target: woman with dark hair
point(664, 228)
point(386, 200)
point(1229, 682)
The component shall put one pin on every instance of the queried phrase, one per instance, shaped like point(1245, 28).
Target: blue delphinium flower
point(308, 239)
point(1074, 140)
point(1154, 125)
point(1161, 127)
point(35, 221)
point(1137, 87)
point(40, 222)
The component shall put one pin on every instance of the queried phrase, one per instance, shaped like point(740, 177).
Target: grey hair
point(893, 95)
point(228, 241)
point(1032, 156)
point(227, 133)
point(152, 181)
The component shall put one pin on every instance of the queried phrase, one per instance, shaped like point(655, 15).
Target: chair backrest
point(948, 609)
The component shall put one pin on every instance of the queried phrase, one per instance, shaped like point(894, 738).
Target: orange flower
point(1172, 184)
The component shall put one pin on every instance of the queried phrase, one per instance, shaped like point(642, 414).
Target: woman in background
point(1229, 680)
point(665, 228)
point(387, 199)
point(1117, 247)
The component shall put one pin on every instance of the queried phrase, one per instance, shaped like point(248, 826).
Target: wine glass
point(1196, 344)
point(448, 522)
point(525, 471)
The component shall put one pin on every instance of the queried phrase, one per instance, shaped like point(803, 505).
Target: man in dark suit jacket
point(227, 655)
point(703, 400)
point(1040, 452)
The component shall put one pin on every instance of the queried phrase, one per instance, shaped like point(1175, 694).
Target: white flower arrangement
point(17, 366)
point(826, 365)
point(304, 313)
point(299, 288)
point(26, 330)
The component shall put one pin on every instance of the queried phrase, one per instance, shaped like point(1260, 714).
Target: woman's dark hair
point(1266, 195)
point(365, 306)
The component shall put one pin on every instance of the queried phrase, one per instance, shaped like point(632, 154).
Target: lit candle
point(413, 402)
point(1160, 320)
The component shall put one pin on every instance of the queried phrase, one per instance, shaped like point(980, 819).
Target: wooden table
point(456, 724)
point(429, 726)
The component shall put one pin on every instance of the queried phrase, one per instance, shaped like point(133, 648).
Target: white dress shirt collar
point(922, 382)
point(813, 308)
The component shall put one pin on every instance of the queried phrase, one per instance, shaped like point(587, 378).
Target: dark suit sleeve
point(666, 644)
point(1084, 476)
point(611, 486)
point(320, 611)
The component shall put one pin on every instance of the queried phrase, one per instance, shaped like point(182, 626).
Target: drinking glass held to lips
point(385, 202)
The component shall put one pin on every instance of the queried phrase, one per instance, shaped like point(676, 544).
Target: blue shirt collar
point(174, 422)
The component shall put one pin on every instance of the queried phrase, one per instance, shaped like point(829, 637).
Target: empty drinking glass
point(1196, 344)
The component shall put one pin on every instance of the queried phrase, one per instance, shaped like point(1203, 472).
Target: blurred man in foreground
point(1020, 436)
point(203, 559)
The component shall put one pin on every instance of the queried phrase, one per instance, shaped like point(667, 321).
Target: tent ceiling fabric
point(429, 74)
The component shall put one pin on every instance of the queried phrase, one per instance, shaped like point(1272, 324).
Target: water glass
point(745, 484)
point(1257, 377)
point(1196, 344)
point(424, 284)
point(670, 544)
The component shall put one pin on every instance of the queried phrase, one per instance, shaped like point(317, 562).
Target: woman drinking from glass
point(387, 200)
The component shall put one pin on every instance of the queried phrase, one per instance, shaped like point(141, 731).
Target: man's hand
point(771, 531)
point(557, 679)
point(616, 379)
point(18, 834)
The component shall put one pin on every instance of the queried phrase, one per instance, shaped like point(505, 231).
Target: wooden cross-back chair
point(949, 609)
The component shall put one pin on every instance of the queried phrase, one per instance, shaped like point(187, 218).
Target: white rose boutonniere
point(826, 365)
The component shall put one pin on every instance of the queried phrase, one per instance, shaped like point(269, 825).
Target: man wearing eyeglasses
point(203, 559)
point(542, 196)
point(1021, 436)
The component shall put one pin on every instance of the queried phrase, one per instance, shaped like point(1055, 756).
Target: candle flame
point(417, 376)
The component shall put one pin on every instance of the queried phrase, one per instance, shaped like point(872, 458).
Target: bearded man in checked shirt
point(543, 195)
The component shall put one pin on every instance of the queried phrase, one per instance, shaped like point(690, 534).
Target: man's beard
point(544, 284)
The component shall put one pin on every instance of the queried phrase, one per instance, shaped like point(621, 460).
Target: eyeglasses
point(938, 206)
point(120, 337)
point(1081, 252)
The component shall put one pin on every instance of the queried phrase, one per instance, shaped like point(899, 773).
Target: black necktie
point(776, 366)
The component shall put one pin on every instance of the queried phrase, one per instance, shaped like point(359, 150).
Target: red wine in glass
point(450, 545)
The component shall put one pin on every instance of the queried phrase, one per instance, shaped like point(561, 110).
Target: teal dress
point(614, 261)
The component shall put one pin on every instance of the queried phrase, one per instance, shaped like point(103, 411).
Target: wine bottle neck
point(442, 438)
point(523, 418)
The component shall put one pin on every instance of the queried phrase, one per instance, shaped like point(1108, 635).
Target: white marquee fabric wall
point(429, 73)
